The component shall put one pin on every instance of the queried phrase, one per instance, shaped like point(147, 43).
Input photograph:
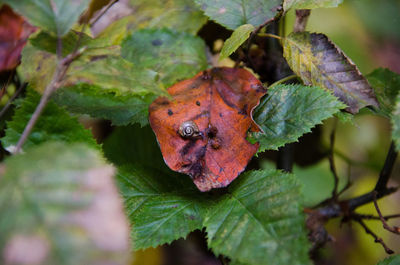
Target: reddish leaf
point(14, 32)
point(217, 104)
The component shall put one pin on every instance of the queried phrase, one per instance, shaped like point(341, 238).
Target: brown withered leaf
point(318, 62)
point(217, 105)
point(14, 32)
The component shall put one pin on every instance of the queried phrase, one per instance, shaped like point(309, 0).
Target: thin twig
point(384, 175)
point(102, 12)
point(14, 96)
point(55, 83)
point(377, 239)
point(332, 162)
point(394, 229)
point(373, 217)
point(301, 20)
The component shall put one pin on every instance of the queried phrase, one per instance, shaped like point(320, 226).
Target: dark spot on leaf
point(215, 143)
point(243, 111)
point(157, 42)
point(186, 148)
point(198, 103)
point(170, 112)
point(163, 102)
point(212, 132)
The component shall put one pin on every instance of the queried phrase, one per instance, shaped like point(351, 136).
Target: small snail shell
point(189, 129)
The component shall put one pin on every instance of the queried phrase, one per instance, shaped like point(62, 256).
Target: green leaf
point(318, 62)
point(386, 85)
point(173, 55)
point(317, 181)
point(240, 35)
point(289, 111)
point(53, 124)
point(134, 145)
point(309, 4)
point(93, 100)
point(161, 207)
point(47, 42)
point(37, 67)
point(101, 66)
point(396, 123)
point(114, 74)
point(179, 15)
point(392, 260)
point(55, 16)
point(49, 201)
point(259, 220)
point(233, 14)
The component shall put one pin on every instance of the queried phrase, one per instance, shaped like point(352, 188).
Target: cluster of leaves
point(256, 220)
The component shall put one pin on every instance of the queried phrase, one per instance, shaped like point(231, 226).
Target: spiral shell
point(189, 129)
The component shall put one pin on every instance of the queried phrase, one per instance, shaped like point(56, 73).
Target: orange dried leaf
point(14, 32)
point(202, 129)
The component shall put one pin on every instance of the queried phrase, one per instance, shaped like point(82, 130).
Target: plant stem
point(387, 168)
point(55, 83)
point(8, 104)
point(269, 35)
point(395, 229)
point(332, 162)
point(283, 80)
point(377, 239)
point(102, 12)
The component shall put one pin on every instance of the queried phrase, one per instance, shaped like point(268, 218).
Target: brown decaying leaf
point(320, 62)
point(217, 104)
point(14, 32)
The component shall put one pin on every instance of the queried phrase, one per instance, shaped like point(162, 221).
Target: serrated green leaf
point(386, 85)
point(49, 200)
point(393, 260)
point(309, 4)
point(234, 13)
point(53, 124)
point(56, 16)
point(179, 15)
point(260, 220)
point(240, 35)
point(173, 55)
point(101, 66)
point(161, 207)
point(318, 62)
point(93, 100)
point(396, 123)
point(289, 111)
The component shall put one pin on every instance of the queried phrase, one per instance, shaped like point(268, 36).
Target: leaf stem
point(283, 80)
point(269, 35)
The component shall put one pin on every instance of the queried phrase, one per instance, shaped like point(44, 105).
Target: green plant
point(51, 166)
